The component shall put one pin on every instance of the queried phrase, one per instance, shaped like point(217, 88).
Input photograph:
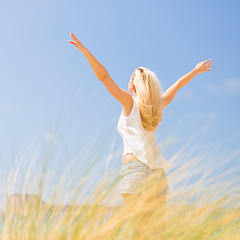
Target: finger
point(209, 64)
point(71, 42)
point(73, 36)
point(75, 39)
point(207, 61)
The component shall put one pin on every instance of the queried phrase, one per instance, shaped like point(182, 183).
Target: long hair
point(149, 93)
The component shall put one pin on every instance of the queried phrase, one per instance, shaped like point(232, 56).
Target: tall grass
point(203, 202)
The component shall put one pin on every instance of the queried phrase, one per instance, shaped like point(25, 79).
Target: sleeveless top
point(139, 141)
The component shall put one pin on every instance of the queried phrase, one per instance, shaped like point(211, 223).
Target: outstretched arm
point(97, 67)
point(170, 93)
point(102, 74)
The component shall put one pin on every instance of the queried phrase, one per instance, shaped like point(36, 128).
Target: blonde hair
point(149, 93)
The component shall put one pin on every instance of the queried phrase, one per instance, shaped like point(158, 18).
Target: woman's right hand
point(203, 67)
point(77, 43)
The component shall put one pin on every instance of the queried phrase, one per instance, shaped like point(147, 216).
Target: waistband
point(135, 162)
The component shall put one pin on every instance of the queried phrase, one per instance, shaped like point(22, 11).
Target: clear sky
point(49, 89)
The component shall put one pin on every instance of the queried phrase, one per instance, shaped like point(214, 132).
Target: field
point(204, 207)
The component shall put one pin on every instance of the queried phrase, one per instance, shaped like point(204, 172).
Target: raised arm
point(102, 74)
point(170, 93)
point(97, 67)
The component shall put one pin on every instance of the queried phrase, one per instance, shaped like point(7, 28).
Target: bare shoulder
point(120, 94)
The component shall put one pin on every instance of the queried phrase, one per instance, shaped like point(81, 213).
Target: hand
point(203, 67)
point(77, 43)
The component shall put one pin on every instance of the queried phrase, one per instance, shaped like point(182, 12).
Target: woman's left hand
point(77, 43)
point(203, 66)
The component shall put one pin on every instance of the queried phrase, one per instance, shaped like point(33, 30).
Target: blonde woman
point(138, 122)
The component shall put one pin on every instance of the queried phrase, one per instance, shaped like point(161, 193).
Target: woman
point(138, 122)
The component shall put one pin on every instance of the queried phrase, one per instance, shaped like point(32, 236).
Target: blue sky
point(49, 89)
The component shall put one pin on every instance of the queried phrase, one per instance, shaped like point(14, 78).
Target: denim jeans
point(134, 173)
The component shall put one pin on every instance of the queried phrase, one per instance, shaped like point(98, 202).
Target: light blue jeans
point(134, 172)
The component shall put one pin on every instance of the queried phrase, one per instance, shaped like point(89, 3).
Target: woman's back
point(139, 141)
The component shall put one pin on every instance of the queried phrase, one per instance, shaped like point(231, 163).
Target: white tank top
point(139, 141)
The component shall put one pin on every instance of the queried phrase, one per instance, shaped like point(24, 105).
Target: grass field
point(206, 209)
